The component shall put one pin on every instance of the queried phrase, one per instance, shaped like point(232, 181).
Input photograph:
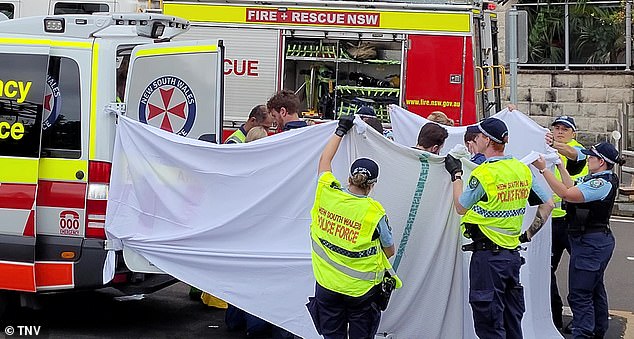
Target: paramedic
point(284, 107)
point(259, 116)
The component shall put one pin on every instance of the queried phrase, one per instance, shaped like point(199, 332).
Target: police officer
point(493, 206)
point(351, 243)
point(588, 209)
point(562, 138)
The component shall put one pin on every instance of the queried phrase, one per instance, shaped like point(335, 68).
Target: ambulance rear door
point(23, 68)
point(177, 87)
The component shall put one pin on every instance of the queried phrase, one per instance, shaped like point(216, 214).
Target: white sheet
point(233, 220)
point(526, 142)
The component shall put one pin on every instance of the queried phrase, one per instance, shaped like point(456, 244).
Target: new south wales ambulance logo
point(52, 102)
point(168, 103)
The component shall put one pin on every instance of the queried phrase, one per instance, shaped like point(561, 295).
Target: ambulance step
point(151, 283)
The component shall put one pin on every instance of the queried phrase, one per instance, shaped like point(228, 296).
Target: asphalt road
point(619, 277)
point(170, 313)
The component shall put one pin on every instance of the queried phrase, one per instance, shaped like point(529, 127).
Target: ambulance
point(22, 8)
point(64, 81)
point(337, 55)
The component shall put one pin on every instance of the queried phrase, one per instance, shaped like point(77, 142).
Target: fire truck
point(64, 81)
point(338, 55)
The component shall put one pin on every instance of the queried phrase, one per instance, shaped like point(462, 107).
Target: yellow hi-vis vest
point(238, 137)
point(558, 212)
point(345, 258)
point(507, 184)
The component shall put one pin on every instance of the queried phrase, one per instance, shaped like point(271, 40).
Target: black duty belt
point(605, 230)
point(481, 246)
point(481, 242)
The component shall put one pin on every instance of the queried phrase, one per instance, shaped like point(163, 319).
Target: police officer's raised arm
point(567, 193)
point(325, 161)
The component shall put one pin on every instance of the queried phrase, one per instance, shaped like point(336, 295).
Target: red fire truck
point(338, 55)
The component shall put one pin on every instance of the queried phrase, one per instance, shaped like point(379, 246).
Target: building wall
point(594, 98)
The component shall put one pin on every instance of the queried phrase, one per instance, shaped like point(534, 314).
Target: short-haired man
point(284, 107)
point(493, 207)
point(259, 116)
point(431, 138)
point(469, 141)
point(562, 138)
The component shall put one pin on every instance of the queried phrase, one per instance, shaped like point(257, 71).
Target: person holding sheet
point(351, 243)
point(493, 206)
point(588, 205)
point(562, 138)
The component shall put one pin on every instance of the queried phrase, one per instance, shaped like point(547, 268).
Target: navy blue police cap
point(605, 151)
point(473, 129)
point(566, 121)
point(366, 110)
point(367, 166)
point(494, 128)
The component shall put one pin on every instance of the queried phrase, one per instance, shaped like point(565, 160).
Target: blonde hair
point(255, 133)
point(441, 118)
point(360, 180)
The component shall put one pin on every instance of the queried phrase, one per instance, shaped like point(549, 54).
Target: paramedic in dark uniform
point(493, 207)
point(588, 207)
point(351, 243)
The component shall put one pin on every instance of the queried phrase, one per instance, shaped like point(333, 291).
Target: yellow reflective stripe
point(427, 21)
point(92, 148)
point(62, 169)
point(19, 170)
point(176, 50)
point(20, 41)
point(73, 44)
point(45, 42)
point(393, 19)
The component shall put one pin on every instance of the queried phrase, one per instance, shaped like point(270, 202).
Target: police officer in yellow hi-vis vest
point(493, 205)
point(351, 243)
point(562, 139)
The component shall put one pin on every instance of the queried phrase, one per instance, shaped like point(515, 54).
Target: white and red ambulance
point(22, 8)
point(63, 81)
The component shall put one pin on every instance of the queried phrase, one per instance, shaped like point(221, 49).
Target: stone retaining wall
point(594, 98)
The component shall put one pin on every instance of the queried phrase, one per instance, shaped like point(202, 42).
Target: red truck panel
point(432, 61)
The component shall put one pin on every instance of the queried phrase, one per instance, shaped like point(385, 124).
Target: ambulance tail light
point(97, 198)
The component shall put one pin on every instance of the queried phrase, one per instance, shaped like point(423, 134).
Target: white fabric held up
point(234, 220)
point(525, 139)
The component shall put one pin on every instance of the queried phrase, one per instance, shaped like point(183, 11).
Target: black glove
point(524, 238)
point(453, 166)
point(345, 124)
